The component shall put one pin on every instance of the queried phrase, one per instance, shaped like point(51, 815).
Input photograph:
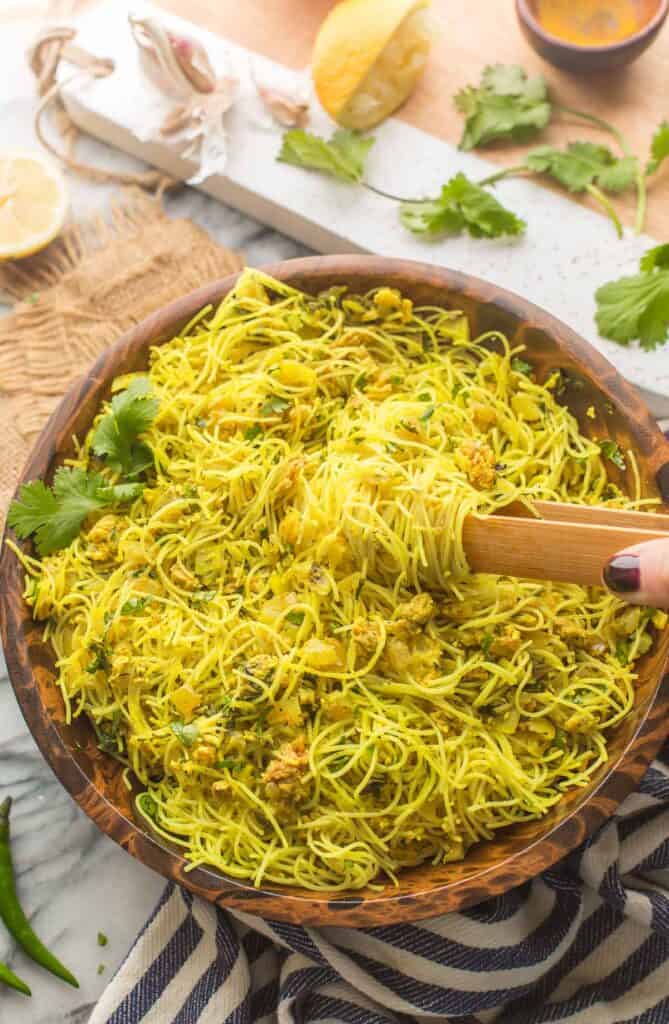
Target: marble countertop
point(75, 882)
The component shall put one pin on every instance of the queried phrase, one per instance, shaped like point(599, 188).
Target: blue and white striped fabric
point(586, 943)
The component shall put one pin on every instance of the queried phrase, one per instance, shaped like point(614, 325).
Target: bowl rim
point(622, 774)
point(526, 14)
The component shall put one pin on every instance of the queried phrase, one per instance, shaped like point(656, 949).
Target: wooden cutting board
point(635, 98)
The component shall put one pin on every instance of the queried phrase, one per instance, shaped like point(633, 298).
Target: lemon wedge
point(367, 58)
point(33, 203)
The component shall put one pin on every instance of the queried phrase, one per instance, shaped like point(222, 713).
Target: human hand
point(640, 574)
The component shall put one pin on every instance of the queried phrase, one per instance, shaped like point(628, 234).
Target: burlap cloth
point(78, 296)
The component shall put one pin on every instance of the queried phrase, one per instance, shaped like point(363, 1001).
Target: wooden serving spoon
point(568, 544)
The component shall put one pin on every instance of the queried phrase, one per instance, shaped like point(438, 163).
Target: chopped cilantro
point(147, 805)
point(134, 605)
point(275, 406)
point(520, 366)
point(611, 451)
point(100, 661)
point(186, 734)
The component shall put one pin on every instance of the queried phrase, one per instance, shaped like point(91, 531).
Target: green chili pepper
point(9, 978)
point(11, 913)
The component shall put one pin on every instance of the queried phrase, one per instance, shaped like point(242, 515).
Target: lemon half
point(33, 203)
point(367, 58)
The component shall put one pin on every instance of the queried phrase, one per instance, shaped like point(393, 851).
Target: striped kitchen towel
point(585, 943)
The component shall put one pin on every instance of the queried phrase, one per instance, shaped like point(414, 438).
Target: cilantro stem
point(506, 172)
point(388, 195)
point(641, 201)
point(605, 202)
point(598, 122)
point(640, 178)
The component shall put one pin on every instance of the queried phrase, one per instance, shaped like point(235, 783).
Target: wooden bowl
point(516, 854)
point(576, 57)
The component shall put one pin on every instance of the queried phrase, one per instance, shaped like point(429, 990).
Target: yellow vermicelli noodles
point(280, 638)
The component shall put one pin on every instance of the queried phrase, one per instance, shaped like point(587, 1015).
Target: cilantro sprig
point(55, 515)
point(637, 307)
point(343, 156)
point(461, 206)
point(505, 105)
point(115, 438)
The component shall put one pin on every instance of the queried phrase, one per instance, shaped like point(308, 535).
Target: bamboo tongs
point(568, 544)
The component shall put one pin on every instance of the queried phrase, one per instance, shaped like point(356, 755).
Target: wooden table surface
point(635, 98)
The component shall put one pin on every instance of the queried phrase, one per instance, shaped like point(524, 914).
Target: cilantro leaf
point(55, 516)
point(343, 156)
point(427, 415)
point(619, 175)
point(296, 618)
point(134, 605)
point(656, 258)
point(611, 451)
point(506, 105)
point(100, 661)
point(275, 406)
point(520, 366)
point(147, 805)
point(115, 437)
point(583, 163)
point(252, 432)
point(186, 734)
point(637, 306)
point(659, 148)
point(462, 206)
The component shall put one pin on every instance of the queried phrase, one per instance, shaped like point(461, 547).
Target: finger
point(640, 574)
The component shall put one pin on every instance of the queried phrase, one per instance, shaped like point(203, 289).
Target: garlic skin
point(194, 62)
point(180, 68)
point(289, 108)
point(177, 65)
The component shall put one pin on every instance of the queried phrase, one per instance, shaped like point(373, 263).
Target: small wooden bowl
point(574, 56)
point(516, 854)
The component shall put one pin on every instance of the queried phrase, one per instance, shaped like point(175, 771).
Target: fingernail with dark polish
point(623, 574)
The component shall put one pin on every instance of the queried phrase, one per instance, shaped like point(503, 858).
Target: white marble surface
point(73, 881)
